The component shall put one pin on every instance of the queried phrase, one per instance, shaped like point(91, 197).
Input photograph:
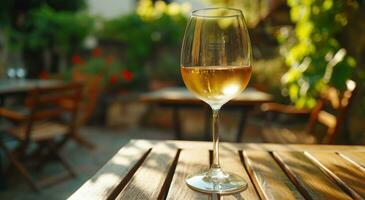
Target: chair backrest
point(92, 90)
point(44, 104)
point(331, 110)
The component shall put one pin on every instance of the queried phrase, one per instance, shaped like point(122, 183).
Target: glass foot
point(215, 181)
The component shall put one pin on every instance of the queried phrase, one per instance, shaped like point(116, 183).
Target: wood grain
point(147, 169)
point(253, 146)
point(103, 184)
point(230, 162)
point(148, 180)
point(358, 158)
point(271, 182)
point(309, 177)
point(190, 162)
point(295, 147)
point(346, 174)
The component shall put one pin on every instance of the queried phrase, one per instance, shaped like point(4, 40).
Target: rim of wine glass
point(236, 14)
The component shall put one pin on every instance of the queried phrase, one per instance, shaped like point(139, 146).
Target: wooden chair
point(92, 89)
point(47, 124)
point(330, 111)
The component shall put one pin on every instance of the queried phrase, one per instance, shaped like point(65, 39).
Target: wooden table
point(25, 85)
point(157, 170)
point(179, 97)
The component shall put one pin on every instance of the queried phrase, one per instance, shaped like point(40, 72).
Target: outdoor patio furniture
point(331, 111)
point(23, 87)
point(145, 169)
point(179, 98)
point(17, 86)
point(47, 125)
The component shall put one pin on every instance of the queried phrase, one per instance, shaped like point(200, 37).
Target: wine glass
point(216, 67)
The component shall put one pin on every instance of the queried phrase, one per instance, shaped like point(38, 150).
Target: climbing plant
point(314, 55)
point(152, 35)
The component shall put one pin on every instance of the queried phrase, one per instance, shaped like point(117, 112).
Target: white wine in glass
point(216, 67)
point(216, 85)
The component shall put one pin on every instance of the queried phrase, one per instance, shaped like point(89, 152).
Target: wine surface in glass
point(216, 85)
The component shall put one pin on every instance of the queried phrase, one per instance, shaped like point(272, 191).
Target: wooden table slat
point(190, 162)
point(295, 147)
point(254, 146)
point(148, 180)
point(270, 181)
point(346, 174)
point(231, 162)
point(309, 177)
point(104, 183)
point(358, 158)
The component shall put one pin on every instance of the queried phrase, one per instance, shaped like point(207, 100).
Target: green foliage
point(315, 56)
point(148, 31)
point(61, 5)
point(266, 76)
point(5, 12)
point(17, 20)
point(94, 65)
point(60, 30)
point(34, 27)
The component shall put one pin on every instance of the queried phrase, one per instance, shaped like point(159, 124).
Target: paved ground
point(86, 162)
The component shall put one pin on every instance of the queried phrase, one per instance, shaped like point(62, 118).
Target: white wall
point(110, 8)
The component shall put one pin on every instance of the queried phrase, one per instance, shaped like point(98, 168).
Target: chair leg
point(65, 163)
point(20, 167)
point(2, 175)
point(54, 150)
point(42, 161)
point(23, 171)
point(82, 141)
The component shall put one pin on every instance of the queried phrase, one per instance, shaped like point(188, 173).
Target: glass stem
point(215, 163)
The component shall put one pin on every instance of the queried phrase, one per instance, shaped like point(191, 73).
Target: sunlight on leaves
point(149, 11)
point(314, 55)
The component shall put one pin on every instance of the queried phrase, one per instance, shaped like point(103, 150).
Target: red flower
point(76, 60)
point(96, 52)
point(127, 75)
point(43, 75)
point(113, 79)
point(109, 60)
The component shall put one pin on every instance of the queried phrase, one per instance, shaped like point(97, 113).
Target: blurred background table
point(178, 98)
point(145, 169)
point(21, 86)
point(24, 85)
